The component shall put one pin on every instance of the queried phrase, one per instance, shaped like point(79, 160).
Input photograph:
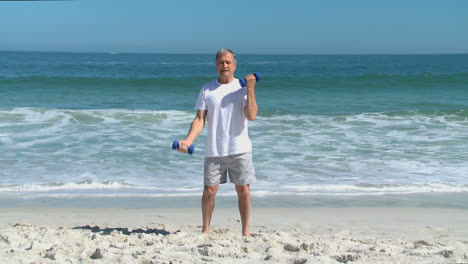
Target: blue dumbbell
point(243, 82)
point(175, 145)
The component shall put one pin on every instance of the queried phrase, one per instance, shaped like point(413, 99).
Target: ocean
point(95, 129)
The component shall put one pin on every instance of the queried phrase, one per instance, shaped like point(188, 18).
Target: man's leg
point(208, 202)
point(245, 204)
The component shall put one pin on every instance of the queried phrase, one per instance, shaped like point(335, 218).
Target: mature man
point(227, 106)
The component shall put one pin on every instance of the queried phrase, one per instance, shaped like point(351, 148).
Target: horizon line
point(248, 53)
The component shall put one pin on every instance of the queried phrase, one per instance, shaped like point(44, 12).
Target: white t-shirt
point(227, 124)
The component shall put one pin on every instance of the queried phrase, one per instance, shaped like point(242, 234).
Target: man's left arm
point(251, 108)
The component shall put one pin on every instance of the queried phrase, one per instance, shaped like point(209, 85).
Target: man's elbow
point(249, 114)
point(251, 117)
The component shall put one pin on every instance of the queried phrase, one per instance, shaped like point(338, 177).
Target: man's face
point(225, 65)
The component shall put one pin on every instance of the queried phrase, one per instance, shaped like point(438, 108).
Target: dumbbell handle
point(243, 82)
point(175, 145)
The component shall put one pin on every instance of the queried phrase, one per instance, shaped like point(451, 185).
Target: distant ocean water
point(328, 128)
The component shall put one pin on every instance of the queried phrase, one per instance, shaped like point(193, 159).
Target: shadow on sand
point(125, 231)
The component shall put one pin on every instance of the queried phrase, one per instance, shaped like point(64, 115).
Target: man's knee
point(243, 190)
point(210, 191)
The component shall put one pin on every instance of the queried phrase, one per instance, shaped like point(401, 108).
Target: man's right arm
point(195, 129)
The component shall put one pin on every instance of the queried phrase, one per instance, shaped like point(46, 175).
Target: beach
point(355, 132)
point(279, 235)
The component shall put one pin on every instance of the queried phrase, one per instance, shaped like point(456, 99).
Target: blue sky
point(255, 26)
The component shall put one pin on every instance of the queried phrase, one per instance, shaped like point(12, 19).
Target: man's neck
point(225, 80)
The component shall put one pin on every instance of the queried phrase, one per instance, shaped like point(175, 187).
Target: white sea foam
point(376, 189)
point(312, 154)
point(94, 189)
point(90, 185)
point(66, 186)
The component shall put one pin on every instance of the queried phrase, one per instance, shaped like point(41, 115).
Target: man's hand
point(183, 146)
point(250, 81)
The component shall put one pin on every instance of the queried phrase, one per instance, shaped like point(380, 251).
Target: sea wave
point(39, 115)
point(49, 82)
point(93, 186)
point(30, 115)
point(368, 153)
point(123, 189)
point(370, 80)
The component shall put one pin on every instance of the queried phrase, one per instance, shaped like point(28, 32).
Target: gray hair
point(225, 51)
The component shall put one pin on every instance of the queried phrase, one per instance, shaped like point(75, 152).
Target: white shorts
point(239, 166)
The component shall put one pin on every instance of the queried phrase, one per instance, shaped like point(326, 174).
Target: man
point(227, 106)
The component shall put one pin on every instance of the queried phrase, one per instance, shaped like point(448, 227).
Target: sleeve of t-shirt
point(201, 103)
point(244, 96)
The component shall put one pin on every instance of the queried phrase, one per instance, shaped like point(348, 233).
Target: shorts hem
point(213, 184)
point(251, 181)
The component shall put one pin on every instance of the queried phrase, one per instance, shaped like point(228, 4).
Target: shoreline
point(283, 235)
point(455, 200)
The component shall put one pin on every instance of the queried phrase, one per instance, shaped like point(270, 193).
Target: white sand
point(293, 235)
